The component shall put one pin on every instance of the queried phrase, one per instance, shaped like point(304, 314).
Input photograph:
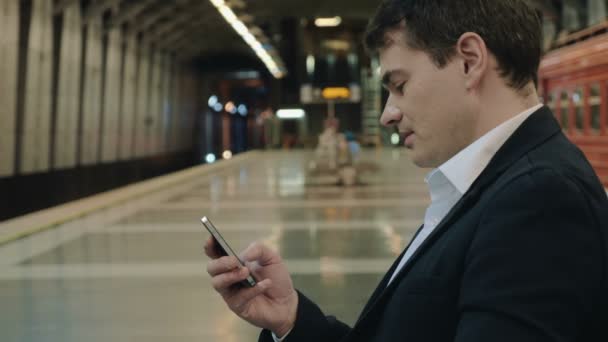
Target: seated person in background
point(353, 146)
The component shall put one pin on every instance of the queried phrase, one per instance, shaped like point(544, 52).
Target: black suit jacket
point(521, 257)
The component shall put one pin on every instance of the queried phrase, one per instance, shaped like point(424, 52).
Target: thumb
point(260, 253)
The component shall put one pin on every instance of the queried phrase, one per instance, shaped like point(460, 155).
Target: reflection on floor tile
point(141, 276)
point(152, 247)
point(117, 310)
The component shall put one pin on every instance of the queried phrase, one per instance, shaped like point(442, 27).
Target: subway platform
point(128, 265)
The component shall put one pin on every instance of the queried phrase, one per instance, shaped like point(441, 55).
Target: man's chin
point(422, 161)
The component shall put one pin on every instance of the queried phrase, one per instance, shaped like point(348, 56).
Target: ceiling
point(194, 28)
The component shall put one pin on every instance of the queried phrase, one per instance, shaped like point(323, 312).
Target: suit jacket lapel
point(539, 127)
point(387, 276)
point(383, 291)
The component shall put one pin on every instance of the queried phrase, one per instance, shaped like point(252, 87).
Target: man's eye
point(401, 88)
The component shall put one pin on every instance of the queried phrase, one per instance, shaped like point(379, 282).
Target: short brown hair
point(511, 30)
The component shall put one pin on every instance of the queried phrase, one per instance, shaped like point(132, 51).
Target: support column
point(35, 150)
point(111, 98)
point(154, 111)
point(143, 92)
point(129, 100)
point(571, 20)
point(68, 101)
point(596, 12)
point(9, 48)
point(91, 116)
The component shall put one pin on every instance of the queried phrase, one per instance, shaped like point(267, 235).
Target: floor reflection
point(137, 272)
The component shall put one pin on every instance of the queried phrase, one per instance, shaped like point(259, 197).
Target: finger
point(260, 253)
point(225, 283)
point(222, 265)
point(241, 298)
point(210, 249)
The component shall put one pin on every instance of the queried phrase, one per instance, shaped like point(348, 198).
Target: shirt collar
point(439, 185)
point(462, 169)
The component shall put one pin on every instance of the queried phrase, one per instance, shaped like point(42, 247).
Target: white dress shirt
point(276, 339)
point(450, 181)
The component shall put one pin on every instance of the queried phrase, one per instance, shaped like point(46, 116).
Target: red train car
point(573, 81)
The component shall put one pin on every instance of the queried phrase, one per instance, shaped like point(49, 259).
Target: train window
point(577, 98)
point(563, 110)
point(594, 104)
point(551, 102)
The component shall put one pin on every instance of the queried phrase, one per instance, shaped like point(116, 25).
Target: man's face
point(430, 107)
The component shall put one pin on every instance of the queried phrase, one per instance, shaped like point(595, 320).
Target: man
point(513, 246)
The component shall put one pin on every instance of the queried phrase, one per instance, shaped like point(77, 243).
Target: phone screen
point(224, 248)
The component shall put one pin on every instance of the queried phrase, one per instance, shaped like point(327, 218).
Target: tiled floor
point(138, 273)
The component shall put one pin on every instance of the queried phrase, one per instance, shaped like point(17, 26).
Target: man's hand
point(272, 303)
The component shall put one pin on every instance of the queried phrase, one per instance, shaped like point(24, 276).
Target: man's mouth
point(405, 134)
point(405, 137)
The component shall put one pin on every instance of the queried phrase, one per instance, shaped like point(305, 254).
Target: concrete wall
point(85, 107)
point(89, 95)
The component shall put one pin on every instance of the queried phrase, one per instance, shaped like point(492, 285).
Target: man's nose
point(391, 116)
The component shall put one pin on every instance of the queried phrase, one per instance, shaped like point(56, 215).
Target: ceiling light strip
point(274, 65)
point(295, 113)
point(328, 22)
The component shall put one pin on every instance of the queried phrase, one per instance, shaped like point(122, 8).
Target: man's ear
point(473, 53)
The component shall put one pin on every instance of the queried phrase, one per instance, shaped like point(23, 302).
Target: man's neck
point(503, 105)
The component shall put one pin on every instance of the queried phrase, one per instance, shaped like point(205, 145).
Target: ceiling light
point(395, 139)
point(291, 113)
point(328, 22)
point(336, 44)
point(212, 101)
point(310, 64)
point(210, 158)
point(273, 63)
point(242, 110)
point(230, 107)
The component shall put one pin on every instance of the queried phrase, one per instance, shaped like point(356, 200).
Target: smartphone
point(224, 249)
